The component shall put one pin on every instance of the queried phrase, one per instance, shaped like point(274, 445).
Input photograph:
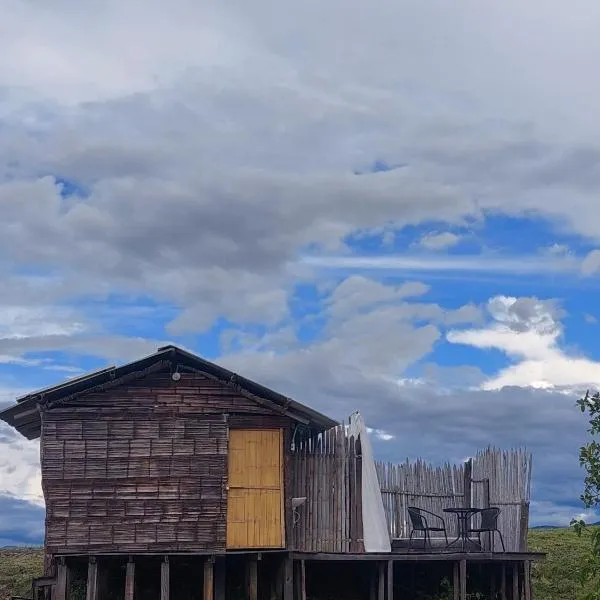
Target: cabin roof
point(25, 418)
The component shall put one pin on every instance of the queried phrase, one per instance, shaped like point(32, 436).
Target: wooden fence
point(422, 485)
point(327, 471)
point(492, 478)
point(509, 477)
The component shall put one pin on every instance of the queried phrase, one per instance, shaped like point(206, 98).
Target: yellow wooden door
point(255, 496)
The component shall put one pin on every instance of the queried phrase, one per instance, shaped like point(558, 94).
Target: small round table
point(462, 515)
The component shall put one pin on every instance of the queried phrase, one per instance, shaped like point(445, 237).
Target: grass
point(18, 566)
point(558, 578)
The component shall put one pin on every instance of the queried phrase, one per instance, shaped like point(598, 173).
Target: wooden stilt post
point(527, 578)
point(209, 578)
point(381, 581)
point(164, 579)
point(92, 580)
point(220, 578)
point(493, 582)
point(515, 582)
point(390, 580)
point(463, 579)
point(130, 579)
point(288, 579)
point(62, 580)
point(503, 595)
point(252, 578)
point(456, 582)
point(302, 578)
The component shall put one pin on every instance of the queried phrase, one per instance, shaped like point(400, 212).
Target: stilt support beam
point(301, 580)
point(92, 580)
point(288, 579)
point(381, 581)
point(515, 582)
point(390, 580)
point(62, 580)
point(130, 580)
point(527, 583)
point(456, 582)
point(463, 579)
point(252, 579)
point(209, 579)
point(165, 579)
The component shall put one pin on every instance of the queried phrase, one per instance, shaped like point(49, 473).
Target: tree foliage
point(589, 459)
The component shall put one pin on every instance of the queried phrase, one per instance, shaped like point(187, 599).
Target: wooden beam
point(130, 580)
point(527, 579)
point(62, 580)
point(390, 580)
point(252, 567)
point(463, 579)
point(503, 595)
point(209, 579)
point(92, 580)
point(220, 578)
point(302, 583)
point(523, 527)
point(467, 476)
point(288, 579)
point(456, 582)
point(381, 581)
point(515, 582)
point(164, 579)
point(489, 538)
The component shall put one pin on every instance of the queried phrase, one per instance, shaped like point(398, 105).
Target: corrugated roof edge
point(30, 429)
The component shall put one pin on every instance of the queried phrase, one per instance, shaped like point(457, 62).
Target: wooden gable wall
point(143, 467)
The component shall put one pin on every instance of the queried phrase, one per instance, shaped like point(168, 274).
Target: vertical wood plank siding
point(142, 467)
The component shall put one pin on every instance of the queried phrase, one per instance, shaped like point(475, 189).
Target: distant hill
point(559, 526)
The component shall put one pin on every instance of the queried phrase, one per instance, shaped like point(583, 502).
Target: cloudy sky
point(389, 206)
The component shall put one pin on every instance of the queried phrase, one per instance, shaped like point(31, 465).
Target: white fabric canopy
point(375, 530)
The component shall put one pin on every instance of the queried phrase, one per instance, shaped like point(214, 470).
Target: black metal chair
point(419, 521)
point(488, 523)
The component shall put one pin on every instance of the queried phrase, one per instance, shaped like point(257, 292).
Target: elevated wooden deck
point(473, 557)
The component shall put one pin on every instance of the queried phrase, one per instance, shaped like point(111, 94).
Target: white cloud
point(18, 322)
point(528, 332)
point(518, 265)
point(439, 241)
point(20, 474)
point(211, 159)
point(591, 263)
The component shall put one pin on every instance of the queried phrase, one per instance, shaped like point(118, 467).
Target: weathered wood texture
point(141, 467)
point(327, 471)
point(507, 474)
point(422, 485)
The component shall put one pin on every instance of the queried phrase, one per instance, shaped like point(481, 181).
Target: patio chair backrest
point(489, 518)
point(417, 518)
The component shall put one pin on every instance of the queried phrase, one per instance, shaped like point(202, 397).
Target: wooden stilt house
point(172, 477)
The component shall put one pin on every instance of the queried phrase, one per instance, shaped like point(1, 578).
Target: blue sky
point(364, 209)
